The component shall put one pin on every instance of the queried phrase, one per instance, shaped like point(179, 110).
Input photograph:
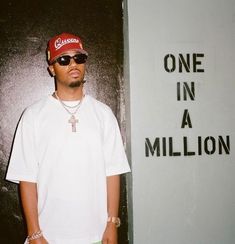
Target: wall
point(25, 28)
point(181, 101)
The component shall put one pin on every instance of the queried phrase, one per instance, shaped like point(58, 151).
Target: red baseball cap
point(63, 43)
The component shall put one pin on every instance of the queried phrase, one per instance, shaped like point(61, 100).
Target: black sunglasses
point(64, 60)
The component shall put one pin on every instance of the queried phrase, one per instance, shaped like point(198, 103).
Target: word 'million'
point(164, 146)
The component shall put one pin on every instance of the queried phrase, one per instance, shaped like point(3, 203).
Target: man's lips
point(74, 73)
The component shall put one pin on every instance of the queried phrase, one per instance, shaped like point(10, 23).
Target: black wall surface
point(25, 28)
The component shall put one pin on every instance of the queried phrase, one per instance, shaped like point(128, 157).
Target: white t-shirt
point(70, 168)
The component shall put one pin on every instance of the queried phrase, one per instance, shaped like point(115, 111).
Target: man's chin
point(75, 84)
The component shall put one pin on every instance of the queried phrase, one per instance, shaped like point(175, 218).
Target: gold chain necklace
point(73, 121)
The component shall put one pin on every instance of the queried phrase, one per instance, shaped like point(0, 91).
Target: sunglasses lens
point(64, 60)
point(80, 58)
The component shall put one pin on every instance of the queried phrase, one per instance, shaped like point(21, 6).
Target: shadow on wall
point(11, 222)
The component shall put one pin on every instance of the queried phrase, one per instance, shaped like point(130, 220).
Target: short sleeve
point(23, 165)
point(115, 157)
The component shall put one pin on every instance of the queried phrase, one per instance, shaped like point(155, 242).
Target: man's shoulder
point(103, 112)
point(35, 107)
point(98, 104)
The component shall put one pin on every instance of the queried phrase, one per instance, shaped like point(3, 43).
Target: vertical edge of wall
point(128, 118)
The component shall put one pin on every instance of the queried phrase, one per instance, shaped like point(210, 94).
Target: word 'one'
point(184, 63)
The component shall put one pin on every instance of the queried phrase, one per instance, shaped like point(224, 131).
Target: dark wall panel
point(25, 27)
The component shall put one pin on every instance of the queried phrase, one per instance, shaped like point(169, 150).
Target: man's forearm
point(113, 195)
point(29, 199)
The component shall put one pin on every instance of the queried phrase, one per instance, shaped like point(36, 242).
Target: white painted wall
point(182, 199)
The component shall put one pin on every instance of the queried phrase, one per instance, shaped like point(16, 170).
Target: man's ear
point(51, 70)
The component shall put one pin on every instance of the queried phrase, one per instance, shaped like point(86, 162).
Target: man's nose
point(72, 62)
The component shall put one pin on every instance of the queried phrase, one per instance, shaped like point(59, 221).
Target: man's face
point(70, 75)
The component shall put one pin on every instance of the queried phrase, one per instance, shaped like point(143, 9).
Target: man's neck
point(70, 94)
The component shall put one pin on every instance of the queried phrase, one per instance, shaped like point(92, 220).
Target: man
point(67, 157)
